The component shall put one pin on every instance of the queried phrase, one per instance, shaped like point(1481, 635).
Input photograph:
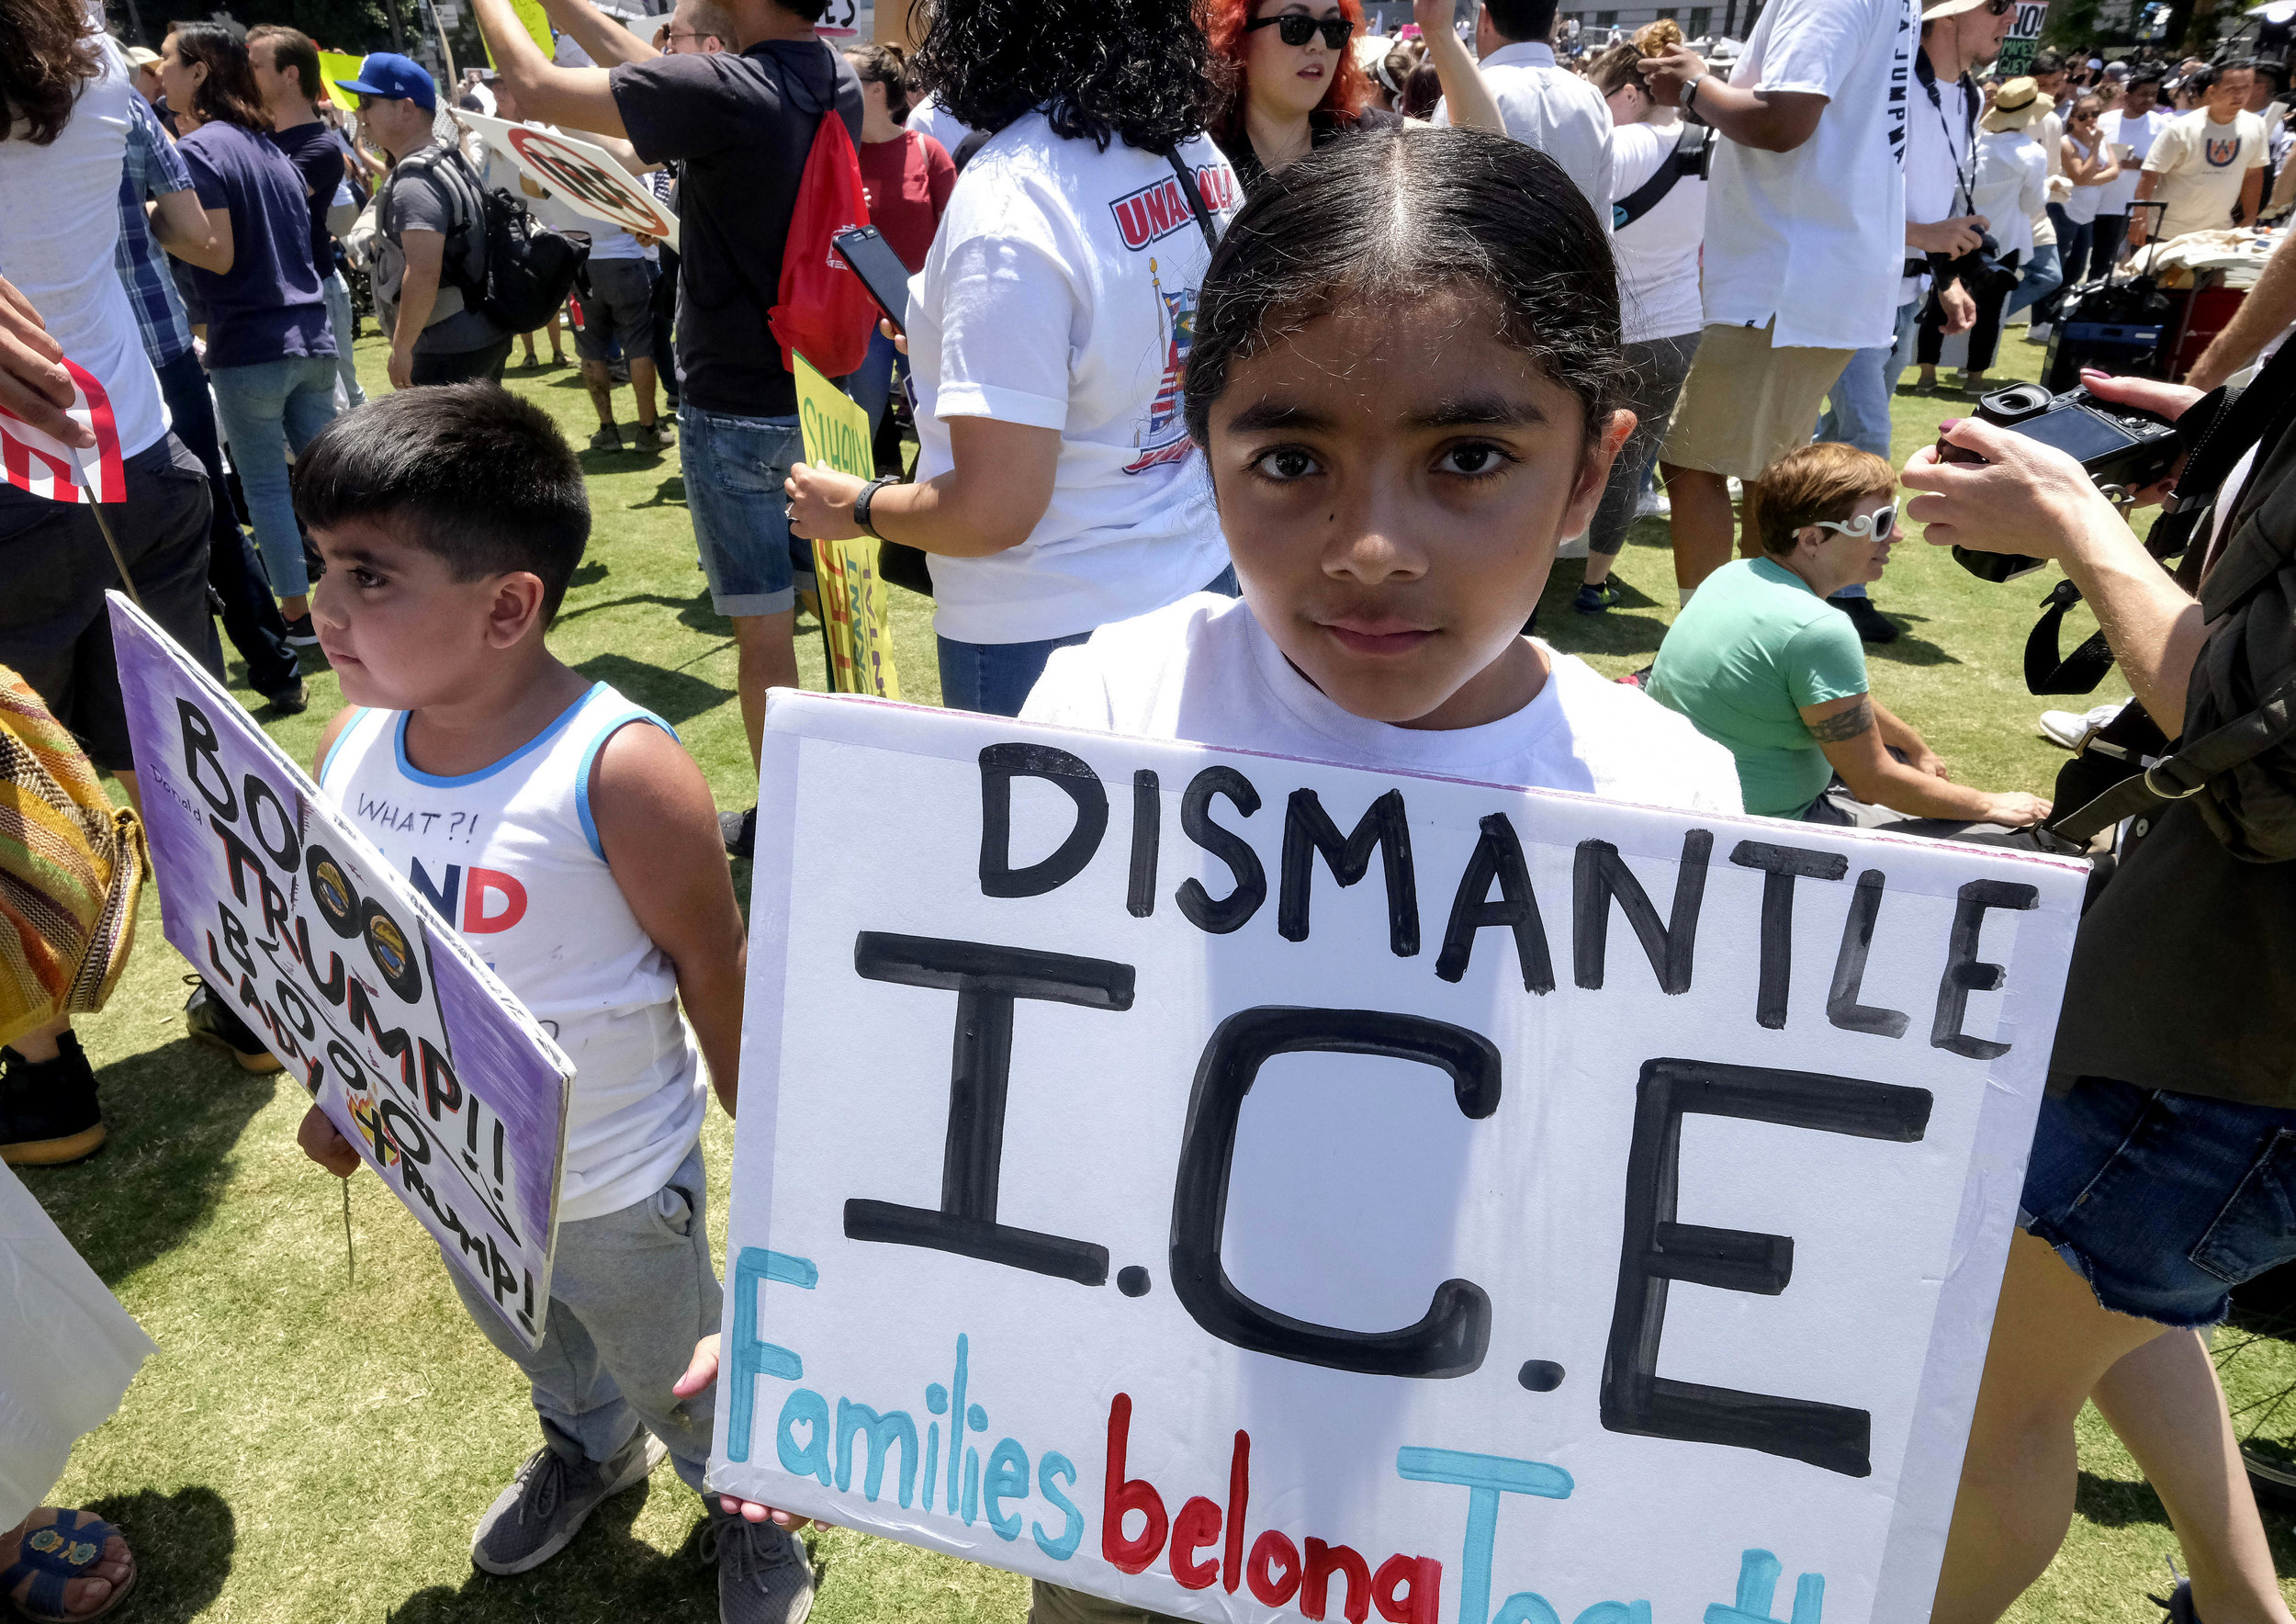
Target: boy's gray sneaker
point(549, 1500)
point(764, 1572)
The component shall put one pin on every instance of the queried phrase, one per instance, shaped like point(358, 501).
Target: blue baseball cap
point(394, 77)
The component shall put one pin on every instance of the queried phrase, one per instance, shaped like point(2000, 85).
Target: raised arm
point(1467, 100)
point(603, 39)
point(577, 99)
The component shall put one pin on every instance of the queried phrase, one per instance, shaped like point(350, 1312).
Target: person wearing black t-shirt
point(286, 70)
point(739, 124)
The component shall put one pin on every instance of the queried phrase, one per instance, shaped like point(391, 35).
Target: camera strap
point(1964, 156)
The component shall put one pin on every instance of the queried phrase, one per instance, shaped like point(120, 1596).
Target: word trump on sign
point(581, 174)
point(421, 1059)
point(1256, 1189)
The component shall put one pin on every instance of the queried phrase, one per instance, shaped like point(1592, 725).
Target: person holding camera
point(2012, 185)
point(2159, 1176)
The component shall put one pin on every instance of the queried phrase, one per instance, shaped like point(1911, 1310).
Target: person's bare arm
point(1900, 735)
point(33, 383)
point(418, 295)
point(660, 830)
point(577, 99)
point(2140, 221)
point(183, 227)
point(2028, 498)
point(1772, 120)
point(1848, 731)
point(2251, 196)
point(2269, 309)
point(1467, 100)
point(216, 251)
point(990, 502)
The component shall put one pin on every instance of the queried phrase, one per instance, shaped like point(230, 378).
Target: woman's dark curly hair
point(1137, 70)
point(1388, 217)
point(46, 54)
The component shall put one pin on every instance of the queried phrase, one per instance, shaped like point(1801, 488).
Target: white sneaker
point(2037, 333)
point(1655, 505)
point(2069, 728)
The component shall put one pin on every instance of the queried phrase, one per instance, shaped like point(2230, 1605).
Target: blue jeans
point(734, 470)
point(2045, 274)
point(339, 318)
point(1858, 413)
point(2072, 255)
point(267, 410)
point(994, 678)
point(2162, 1201)
point(871, 383)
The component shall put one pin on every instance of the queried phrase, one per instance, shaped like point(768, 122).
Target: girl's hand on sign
point(698, 1377)
point(821, 503)
point(329, 1149)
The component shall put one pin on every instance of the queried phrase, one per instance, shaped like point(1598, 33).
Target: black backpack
point(523, 270)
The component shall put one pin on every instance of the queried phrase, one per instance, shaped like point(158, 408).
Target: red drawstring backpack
point(825, 312)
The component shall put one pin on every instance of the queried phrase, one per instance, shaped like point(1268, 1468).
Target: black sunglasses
point(1295, 28)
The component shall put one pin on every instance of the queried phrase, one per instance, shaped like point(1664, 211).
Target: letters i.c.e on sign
point(1254, 1189)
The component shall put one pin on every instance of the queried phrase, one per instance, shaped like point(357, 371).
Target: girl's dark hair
point(229, 94)
point(887, 66)
point(1389, 217)
point(1141, 71)
point(46, 55)
point(1421, 92)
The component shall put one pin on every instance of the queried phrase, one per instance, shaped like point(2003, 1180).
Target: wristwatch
point(861, 503)
point(1690, 90)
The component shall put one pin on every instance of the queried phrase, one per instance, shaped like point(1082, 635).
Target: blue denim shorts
point(2162, 1201)
point(733, 469)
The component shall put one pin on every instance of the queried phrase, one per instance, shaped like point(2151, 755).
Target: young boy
point(451, 520)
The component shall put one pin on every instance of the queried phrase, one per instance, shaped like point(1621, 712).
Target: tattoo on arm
point(1844, 725)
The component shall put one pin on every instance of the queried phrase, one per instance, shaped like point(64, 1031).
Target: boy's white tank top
point(509, 855)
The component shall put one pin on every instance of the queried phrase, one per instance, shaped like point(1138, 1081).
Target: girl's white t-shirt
point(1658, 255)
point(1060, 293)
point(1202, 670)
point(2082, 206)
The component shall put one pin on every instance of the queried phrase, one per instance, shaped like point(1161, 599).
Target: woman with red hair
point(1297, 85)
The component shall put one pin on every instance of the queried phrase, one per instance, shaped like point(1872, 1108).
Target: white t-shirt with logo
point(2137, 134)
point(1658, 255)
point(1060, 293)
point(2202, 166)
point(57, 235)
point(1816, 238)
point(1204, 670)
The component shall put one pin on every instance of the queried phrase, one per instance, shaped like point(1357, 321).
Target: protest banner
point(2024, 40)
point(580, 175)
point(336, 65)
point(1583, 1211)
point(421, 1059)
point(856, 604)
point(537, 25)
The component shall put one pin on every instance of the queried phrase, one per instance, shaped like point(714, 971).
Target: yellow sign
point(538, 23)
point(340, 64)
point(855, 600)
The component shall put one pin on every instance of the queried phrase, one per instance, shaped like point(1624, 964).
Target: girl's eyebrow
point(1264, 414)
point(1484, 411)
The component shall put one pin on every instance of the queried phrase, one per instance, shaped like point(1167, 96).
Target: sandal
point(54, 1556)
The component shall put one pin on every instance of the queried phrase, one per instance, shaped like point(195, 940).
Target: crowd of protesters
point(1155, 491)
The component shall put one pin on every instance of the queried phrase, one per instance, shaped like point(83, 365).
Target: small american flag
point(36, 461)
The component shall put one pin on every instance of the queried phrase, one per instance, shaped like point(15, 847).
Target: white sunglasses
point(1877, 526)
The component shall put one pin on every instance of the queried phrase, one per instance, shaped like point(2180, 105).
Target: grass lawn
point(304, 1448)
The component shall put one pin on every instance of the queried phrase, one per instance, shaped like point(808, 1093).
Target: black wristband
point(860, 504)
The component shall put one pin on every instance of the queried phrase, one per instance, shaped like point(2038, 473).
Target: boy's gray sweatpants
point(630, 1294)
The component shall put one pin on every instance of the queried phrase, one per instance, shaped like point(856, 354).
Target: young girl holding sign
point(1405, 380)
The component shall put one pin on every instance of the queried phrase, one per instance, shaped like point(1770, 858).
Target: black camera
point(2116, 446)
point(1979, 271)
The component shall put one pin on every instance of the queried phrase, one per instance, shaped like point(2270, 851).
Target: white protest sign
point(1522, 1208)
point(581, 174)
point(421, 1059)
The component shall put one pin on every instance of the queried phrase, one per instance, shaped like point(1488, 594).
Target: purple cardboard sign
point(421, 1059)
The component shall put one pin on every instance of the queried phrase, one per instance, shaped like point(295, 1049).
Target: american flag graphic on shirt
point(35, 460)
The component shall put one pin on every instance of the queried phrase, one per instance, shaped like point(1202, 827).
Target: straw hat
point(2015, 105)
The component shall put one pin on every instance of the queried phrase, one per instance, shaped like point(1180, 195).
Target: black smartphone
point(880, 269)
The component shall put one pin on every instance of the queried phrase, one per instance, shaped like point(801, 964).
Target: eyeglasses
point(687, 34)
point(1878, 526)
point(1297, 28)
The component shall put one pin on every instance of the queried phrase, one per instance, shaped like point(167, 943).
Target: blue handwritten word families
point(859, 1449)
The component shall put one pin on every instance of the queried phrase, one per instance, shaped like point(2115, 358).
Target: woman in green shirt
point(1761, 663)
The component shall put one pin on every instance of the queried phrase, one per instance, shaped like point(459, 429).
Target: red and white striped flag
point(36, 461)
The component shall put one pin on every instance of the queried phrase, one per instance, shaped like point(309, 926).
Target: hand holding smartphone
point(872, 259)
